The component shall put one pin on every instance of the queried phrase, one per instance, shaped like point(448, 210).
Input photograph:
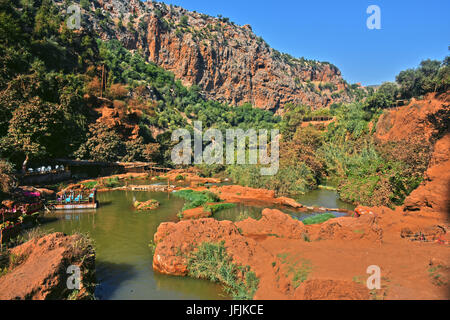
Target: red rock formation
point(433, 194)
point(412, 123)
point(243, 242)
point(331, 290)
point(422, 122)
point(236, 194)
point(195, 213)
point(229, 62)
point(337, 252)
point(41, 272)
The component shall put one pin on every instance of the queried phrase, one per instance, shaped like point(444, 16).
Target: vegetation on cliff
point(68, 94)
point(55, 104)
point(345, 154)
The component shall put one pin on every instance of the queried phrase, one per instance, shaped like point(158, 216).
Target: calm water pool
point(121, 236)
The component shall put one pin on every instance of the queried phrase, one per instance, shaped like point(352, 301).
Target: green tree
point(103, 144)
point(85, 4)
point(389, 89)
point(376, 102)
point(184, 21)
point(47, 20)
point(38, 129)
point(7, 180)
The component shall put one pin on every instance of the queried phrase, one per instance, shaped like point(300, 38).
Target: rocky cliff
point(228, 62)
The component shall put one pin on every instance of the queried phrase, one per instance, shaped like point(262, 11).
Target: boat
point(74, 201)
point(75, 206)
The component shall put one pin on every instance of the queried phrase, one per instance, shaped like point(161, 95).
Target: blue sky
point(336, 31)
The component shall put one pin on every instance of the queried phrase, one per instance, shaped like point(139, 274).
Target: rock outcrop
point(433, 194)
point(228, 62)
point(249, 241)
point(418, 122)
point(423, 123)
point(146, 205)
point(326, 261)
point(39, 269)
point(240, 194)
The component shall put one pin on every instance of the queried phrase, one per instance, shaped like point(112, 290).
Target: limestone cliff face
point(228, 62)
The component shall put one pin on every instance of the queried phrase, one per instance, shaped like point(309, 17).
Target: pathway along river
point(121, 236)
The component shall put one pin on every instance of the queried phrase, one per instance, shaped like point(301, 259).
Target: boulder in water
point(147, 205)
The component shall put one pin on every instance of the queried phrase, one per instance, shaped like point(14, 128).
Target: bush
point(179, 178)
point(184, 21)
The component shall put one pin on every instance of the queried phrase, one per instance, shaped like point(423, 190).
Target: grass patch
point(213, 208)
point(320, 218)
point(212, 262)
point(111, 182)
point(196, 199)
point(90, 184)
point(299, 270)
point(358, 279)
point(436, 277)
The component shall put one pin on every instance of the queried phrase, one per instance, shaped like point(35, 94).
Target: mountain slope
point(228, 62)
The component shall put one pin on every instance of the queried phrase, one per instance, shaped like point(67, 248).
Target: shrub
point(117, 91)
point(179, 178)
point(212, 262)
point(184, 21)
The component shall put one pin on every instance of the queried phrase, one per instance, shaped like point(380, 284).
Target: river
point(122, 234)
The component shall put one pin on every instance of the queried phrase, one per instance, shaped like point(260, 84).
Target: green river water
point(121, 236)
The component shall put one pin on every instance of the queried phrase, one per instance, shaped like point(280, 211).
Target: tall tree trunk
point(24, 165)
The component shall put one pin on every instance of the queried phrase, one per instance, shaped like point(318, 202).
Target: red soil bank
point(237, 194)
point(339, 251)
point(41, 272)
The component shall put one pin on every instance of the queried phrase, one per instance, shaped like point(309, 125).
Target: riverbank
point(290, 260)
point(326, 261)
point(329, 260)
point(37, 269)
